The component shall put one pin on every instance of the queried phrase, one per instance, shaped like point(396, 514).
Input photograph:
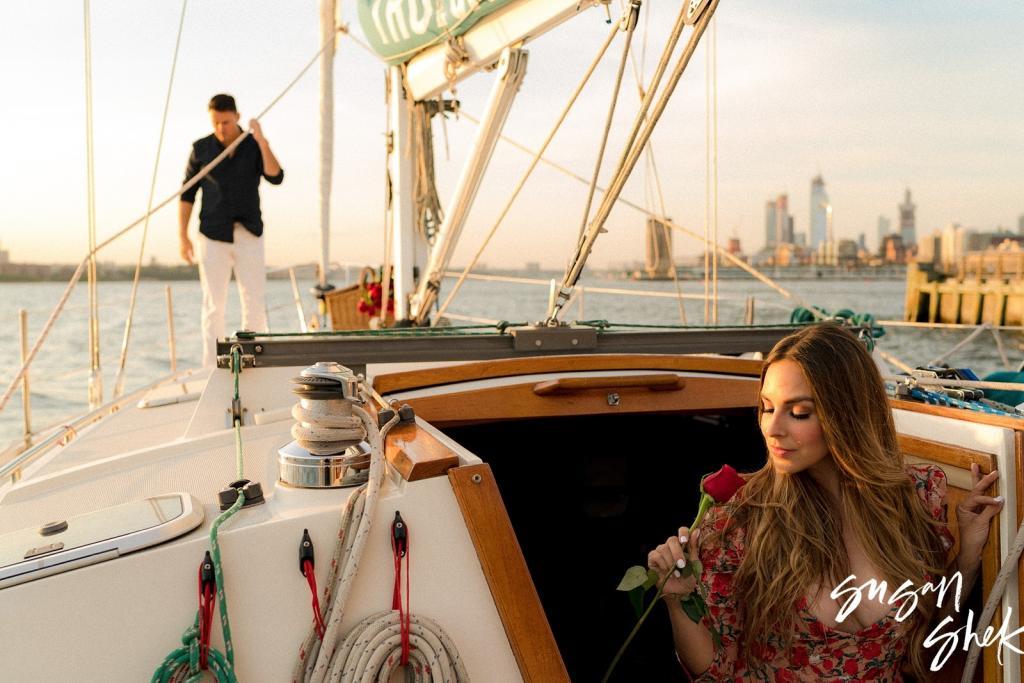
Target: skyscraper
point(819, 220)
point(783, 221)
point(907, 230)
point(884, 228)
point(770, 224)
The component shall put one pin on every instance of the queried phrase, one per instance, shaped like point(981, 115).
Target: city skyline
point(912, 95)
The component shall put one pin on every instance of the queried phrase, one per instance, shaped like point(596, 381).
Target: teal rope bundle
point(869, 328)
point(183, 663)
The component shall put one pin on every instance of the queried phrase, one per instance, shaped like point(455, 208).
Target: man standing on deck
point(230, 224)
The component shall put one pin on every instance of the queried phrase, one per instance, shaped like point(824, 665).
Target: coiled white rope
point(366, 654)
point(372, 651)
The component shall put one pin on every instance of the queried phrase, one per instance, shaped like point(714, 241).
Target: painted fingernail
point(677, 574)
point(684, 539)
point(680, 563)
point(999, 499)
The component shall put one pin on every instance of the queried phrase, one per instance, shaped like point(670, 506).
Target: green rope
point(236, 370)
point(867, 324)
point(218, 573)
point(185, 659)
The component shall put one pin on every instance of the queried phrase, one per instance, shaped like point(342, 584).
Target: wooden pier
point(987, 287)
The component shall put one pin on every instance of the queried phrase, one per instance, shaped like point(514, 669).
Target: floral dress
point(820, 653)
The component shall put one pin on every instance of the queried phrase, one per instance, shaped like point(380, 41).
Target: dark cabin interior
point(591, 496)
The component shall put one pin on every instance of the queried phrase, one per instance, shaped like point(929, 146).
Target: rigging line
point(95, 376)
point(714, 167)
point(203, 172)
point(739, 263)
point(537, 157)
point(631, 153)
point(707, 178)
point(630, 21)
point(119, 380)
point(638, 78)
point(964, 342)
point(216, 161)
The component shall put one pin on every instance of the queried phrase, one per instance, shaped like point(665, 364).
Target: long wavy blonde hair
point(794, 527)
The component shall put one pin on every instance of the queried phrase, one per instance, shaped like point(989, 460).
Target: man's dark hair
point(222, 102)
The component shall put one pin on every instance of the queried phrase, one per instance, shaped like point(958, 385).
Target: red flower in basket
point(372, 300)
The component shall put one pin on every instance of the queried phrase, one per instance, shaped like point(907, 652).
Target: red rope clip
point(306, 560)
point(400, 550)
point(207, 592)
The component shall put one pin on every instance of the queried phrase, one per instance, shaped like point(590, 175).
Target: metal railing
point(579, 295)
point(62, 434)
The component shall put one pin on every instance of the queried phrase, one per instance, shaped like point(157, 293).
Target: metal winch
point(330, 448)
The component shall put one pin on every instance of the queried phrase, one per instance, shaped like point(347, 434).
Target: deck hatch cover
point(29, 554)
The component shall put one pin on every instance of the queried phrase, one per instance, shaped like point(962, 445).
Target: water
point(59, 376)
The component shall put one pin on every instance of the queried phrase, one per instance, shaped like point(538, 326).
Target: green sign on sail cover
point(398, 29)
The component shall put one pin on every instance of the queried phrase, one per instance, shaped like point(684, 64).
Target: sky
point(876, 96)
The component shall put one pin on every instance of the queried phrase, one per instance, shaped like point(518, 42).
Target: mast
point(510, 73)
point(327, 32)
point(406, 247)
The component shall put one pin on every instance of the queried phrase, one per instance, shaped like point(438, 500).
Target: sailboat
point(455, 500)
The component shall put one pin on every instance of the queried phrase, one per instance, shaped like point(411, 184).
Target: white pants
point(216, 261)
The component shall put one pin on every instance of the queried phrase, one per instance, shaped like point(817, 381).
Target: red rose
point(870, 650)
point(723, 484)
point(362, 306)
point(851, 667)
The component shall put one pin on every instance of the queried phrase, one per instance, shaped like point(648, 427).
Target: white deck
point(116, 620)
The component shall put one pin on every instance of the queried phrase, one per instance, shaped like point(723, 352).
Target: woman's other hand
point(974, 514)
point(670, 558)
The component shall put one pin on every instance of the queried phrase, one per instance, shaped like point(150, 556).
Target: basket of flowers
point(359, 306)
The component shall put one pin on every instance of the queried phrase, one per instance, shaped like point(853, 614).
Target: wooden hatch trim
point(954, 460)
point(528, 400)
point(1018, 457)
point(1014, 423)
point(467, 372)
point(416, 453)
point(945, 454)
point(504, 567)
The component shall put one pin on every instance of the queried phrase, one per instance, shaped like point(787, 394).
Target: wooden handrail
point(568, 385)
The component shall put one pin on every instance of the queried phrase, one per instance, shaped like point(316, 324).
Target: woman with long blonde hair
point(834, 499)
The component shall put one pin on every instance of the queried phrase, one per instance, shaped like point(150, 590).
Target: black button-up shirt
point(231, 190)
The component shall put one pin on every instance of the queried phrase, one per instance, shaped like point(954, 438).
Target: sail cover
point(398, 29)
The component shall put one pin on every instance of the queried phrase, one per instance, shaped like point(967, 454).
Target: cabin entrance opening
point(591, 496)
